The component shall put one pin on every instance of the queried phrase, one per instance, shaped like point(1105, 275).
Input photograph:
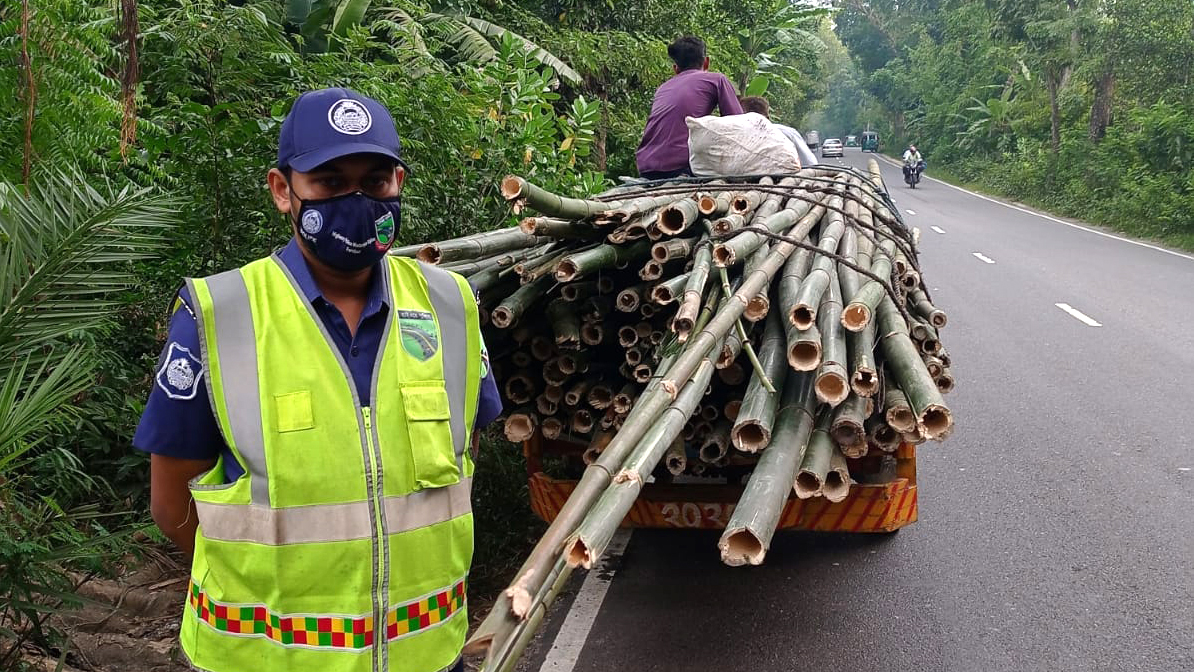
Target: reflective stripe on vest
point(320, 539)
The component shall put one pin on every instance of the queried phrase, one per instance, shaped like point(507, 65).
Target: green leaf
point(757, 86)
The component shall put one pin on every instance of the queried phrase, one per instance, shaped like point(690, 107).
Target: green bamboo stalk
point(760, 304)
point(748, 534)
point(744, 340)
point(530, 271)
point(753, 428)
point(558, 228)
point(478, 246)
point(769, 216)
point(674, 219)
point(833, 381)
point(512, 308)
point(523, 194)
point(882, 435)
point(673, 248)
point(598, 527)
point(744, 203)
point(467, 268)
point(406, 250)
point(836, 486)
point(506, 660)
point(803, 312)
point(694, 290)
point(860, 310)
point(578, 291)
point(817, 459)
point(602, 257)
point(921, 305)
point(676, 459)
point(714, 205)
point(904, 364)
point(864, 377)
point(564, 322)
point(629, 299)
point(849, 426)
point(726, 224)
point(666, 291)
point(644, 207)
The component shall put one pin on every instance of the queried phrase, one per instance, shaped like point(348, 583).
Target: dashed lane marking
point(937, 229)
point(1078, 315)
point(983, 258)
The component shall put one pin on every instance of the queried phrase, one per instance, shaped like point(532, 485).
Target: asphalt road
point(1056, 530)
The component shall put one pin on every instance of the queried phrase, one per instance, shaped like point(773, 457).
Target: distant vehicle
point(851, 140)
point(812, 139)
point(912, 173)
point(870, 142)
point(832, 147)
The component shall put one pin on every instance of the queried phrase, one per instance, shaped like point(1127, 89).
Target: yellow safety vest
point(346, 544)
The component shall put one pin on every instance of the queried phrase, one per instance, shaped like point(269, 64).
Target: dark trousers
point(666, 174)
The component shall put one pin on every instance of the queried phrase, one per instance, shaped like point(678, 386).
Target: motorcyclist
point(912, 159)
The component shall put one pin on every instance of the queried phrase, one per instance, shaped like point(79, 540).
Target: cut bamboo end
point(832, 388)
point(731, 409)
point(605, 285)
point(566, 270)
point(885, 437)
point(600, 397)
point(671, 220)
point(707, 204)
point(634, 356)
point(945, 383)
point(865, 383)
point(642, 373)
point(751, 437)
point(582, 421)
point(803, 316)
point(624, 399)
point(676, 463)
point(521, 359)
point(836, 486)
point(501, 317)
point(592, 333)
point(711, 452)
point(512, 187)
point(590, 455)
point(682, 326)
point(647, 310)
point(542, 349)
point(856, 316)
point(850, 436)
point(937, 422)
point(628, 300)
point(520, 426)
point(938, 319)
point(429, 254)
point(757, 308)
point(930, 346)
point(741, 547)
point(552, 428)
point(901, 418)
point(709, 413)
point(627, 336)
point(655, 337)
point(520, 388)
point(734, 374)
point(805, 355)
point(652, 270)
point(545, 406)
point(662, 295)
point(910, 280)
point(808, 485)
point(724, 256)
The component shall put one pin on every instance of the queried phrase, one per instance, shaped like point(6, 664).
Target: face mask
point(350, 232)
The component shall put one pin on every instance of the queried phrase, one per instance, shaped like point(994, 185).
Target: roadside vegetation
point(1081, 107)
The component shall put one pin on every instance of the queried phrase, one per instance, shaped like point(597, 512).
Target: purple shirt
point(692, 93)
point(178, 420)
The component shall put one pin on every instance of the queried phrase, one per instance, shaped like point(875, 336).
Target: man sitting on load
point(692, 92)
point(759, 105)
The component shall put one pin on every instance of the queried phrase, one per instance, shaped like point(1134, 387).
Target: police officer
point(310, 420)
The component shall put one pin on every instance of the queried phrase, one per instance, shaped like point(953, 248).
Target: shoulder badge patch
point(484, 362)
point(181, 373)
point(420, 337)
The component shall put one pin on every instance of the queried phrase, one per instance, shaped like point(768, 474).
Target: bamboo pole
point(714, 205)
point(818, 456)
point(694, 290)
point(630, 298)
point(523, 194)
point(478, 246)
point(564, 322)
point(882, 435)
point(551, 428)
point(674, 219)
point(753, 427)
point(594, 533)
point(592, 333)
point(803, 312)
point(600, 396)
point(602, 257)
point(860, 310)
point(833, 383)
point(896, 409)
point(672, 249)
point(520, 425)
point(934, 418)
point(748, 534)
point(557, 228)
point(725, 225)
point(849, 428)
point(676, 459)
point(512, 308)
point(921, 305)
point(717, 442)
point(666, 291)
point(577, 291)
point(836, 486)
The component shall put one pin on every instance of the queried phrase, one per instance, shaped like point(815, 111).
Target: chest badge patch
point(181, 373)
point(420, 337)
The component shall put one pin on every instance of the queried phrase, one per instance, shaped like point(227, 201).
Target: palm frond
point(538, 53)
point(66, 249)
point(32, 403)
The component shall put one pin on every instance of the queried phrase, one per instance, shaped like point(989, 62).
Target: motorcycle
point(912, 174)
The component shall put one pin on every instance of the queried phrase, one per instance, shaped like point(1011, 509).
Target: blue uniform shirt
point(178, 420)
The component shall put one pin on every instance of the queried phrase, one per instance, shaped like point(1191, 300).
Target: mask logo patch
point(180, 374)
point(312, 222)
point(349, 117)
point(385, 231)
point(420, 337)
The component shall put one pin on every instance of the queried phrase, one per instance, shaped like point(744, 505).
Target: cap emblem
point(349, 117)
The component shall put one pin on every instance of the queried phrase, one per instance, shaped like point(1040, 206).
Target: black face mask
point(349, 232)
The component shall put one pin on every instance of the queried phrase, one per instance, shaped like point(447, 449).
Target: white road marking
point(1051, 219)
point(983, 258)
point(937, 229)
point(910, 212)
point(1183, 468)
point(565, 650)
point(1078, 315)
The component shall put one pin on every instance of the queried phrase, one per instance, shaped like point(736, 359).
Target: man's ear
point(279, 188)
point(401, 178)
point(675, 69)
point(705, 65)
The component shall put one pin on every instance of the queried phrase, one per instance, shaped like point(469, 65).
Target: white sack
point(740, 144)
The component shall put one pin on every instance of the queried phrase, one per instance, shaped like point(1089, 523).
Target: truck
point(812, 139)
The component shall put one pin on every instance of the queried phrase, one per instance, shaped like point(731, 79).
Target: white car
point(832, 147)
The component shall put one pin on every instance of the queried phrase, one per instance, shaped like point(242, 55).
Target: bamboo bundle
point(611, 331)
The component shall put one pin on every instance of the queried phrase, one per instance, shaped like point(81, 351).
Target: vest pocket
point(430, 436)
point(292, 412)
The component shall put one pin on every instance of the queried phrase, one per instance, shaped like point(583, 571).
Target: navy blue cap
point(329, 123)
